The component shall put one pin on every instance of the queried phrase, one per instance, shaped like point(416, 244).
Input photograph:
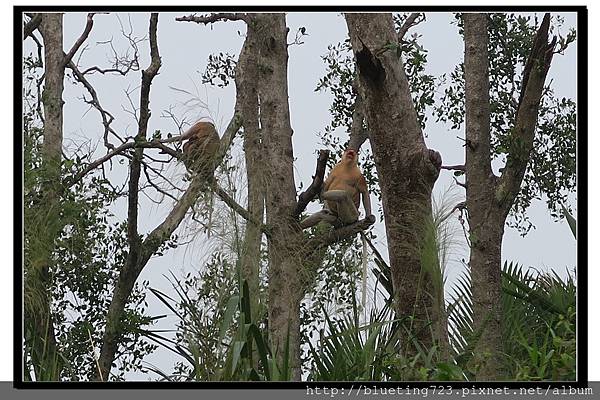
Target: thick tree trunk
point(246, 79)
point(490, 198)
point(285, 292)
point(38, 314)
point(407, 170)
point(486, 225)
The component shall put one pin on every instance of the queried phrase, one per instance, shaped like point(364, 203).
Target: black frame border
point(582, 206)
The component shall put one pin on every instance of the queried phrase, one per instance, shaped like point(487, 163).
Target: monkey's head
point(350, 155)
point(205, 125)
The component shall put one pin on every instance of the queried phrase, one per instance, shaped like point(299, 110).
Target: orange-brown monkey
point(342, 193)
point(201, 148)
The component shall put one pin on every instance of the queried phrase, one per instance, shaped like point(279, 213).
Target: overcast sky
point(184, 48)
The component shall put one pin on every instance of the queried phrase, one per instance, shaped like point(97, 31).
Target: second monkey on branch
point(200, 150)
point(342, 192)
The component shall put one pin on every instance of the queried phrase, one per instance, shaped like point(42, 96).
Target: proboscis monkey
point(342, 192)
point(200, 150)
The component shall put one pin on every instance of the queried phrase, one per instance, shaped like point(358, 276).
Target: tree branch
point(315, 187)
point(156, 144)
point(358, 134)
point(107, 117)
point(211, 18)
point(411, 20)
point(135, 169)
point(459, 167)
point(31, 25)
point(86, 32)
point(235, 206)
point(522, 135)
point(321, 241)
point(463, 185)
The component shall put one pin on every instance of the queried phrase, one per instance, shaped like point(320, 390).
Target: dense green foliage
point(550, 173)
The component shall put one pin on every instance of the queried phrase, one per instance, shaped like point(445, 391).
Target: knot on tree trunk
point(433, 163)
point(428, 162)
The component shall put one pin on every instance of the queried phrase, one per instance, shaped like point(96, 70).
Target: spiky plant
point(538, 326)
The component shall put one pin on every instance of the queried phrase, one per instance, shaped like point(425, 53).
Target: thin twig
point(107, 118)
point(156, 144)
point(464, 185)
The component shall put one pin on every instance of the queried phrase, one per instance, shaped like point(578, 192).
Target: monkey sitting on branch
point(342, 192)
point(200, 150)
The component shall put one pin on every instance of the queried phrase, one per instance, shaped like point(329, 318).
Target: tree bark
point(407, 170)
point(246, 78)
point(285, 292)
point(486, 227)
point(490, 198)
point(38, 312)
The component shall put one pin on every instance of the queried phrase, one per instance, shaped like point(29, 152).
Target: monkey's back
point(201, 149)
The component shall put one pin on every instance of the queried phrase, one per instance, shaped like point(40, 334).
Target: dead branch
point(315, 187)
point(86, 32)
point(211, 18)
point(145, 168)
point(107, 118)
point(121, 64)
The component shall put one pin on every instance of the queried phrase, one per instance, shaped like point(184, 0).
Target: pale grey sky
point(184, 49)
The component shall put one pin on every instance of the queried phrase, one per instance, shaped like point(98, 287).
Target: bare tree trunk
point(486, 225)
point(285, 292)
point(38, 314)
point(490, 198)
point(407, 170)
point(246, 78)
